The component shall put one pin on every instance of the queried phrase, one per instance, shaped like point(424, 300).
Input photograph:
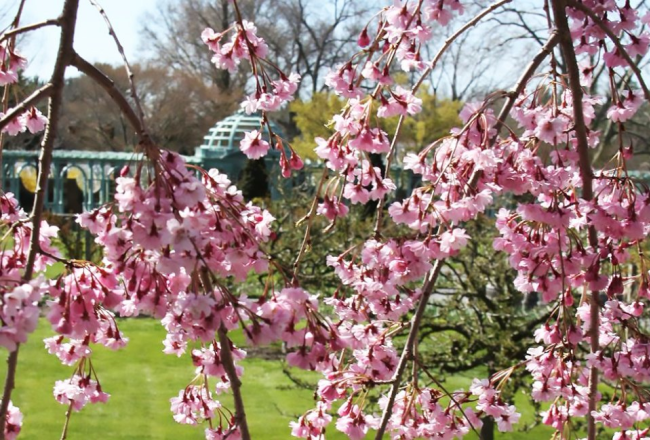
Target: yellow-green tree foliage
point(313, 120)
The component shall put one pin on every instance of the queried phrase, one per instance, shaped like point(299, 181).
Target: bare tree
point(303, 36)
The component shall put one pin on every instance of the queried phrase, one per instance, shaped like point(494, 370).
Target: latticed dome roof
point(228, 133)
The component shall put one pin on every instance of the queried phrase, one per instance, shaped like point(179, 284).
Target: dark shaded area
point(73, 197)
point(254, 180)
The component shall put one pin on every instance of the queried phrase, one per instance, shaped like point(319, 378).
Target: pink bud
point(363, 39)
point(295, 162)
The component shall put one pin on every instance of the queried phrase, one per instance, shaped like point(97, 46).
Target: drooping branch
point(433, 274)
point(544, 52)
point(67, 20)
point(473, 22)
point(580, 127)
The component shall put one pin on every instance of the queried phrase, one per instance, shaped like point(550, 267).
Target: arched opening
point(74, 182)
point(27, 176)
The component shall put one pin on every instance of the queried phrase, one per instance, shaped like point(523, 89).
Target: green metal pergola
point(94, 172)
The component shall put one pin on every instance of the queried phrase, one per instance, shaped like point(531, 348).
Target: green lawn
point(141, 379)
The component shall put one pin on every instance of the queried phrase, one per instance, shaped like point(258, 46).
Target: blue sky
point(91, 40)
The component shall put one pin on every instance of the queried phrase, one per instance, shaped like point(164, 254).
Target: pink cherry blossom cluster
point(244, 44)
point(461, 175)
point(192, 405)
point(170, 233)
point(19, 303)
point(20, 312)
point(625, 22)
point(423, 413)
point(78, 391)
point(177, 237)
point(32, 120)
point(19, 309)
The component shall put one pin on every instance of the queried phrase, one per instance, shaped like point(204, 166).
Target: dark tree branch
point(566, 43)
point(30, 101)
point(67, 21)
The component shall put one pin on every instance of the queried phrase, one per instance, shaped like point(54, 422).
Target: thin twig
point(309, 218)
point(10, 383)
point(580, 127)
point(617, 42)
point(27, 28)
point(552, 41)
point(127, 66)
point(68, 413)
point(473, 22)
point(389, 163)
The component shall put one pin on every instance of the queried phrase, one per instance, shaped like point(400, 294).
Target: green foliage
point(315, 275)
point(312, 118)
point(477, 318)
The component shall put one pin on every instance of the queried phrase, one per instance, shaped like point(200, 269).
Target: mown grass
point(141, 379)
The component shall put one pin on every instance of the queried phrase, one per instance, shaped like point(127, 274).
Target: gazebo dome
point(224, 137)
point(220, 148)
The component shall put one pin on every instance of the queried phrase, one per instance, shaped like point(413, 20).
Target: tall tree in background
point(303, 36)
point(180, 108)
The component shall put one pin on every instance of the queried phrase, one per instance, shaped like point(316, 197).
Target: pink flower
point(364, 39)
point(453, 240)
point(15, 126)
point(211, 38)
point(625, 108)
point(13, 422)
point(332, 208)
point(286, 88)
point(253, 146)
point(401, 102)
point(34, 120)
